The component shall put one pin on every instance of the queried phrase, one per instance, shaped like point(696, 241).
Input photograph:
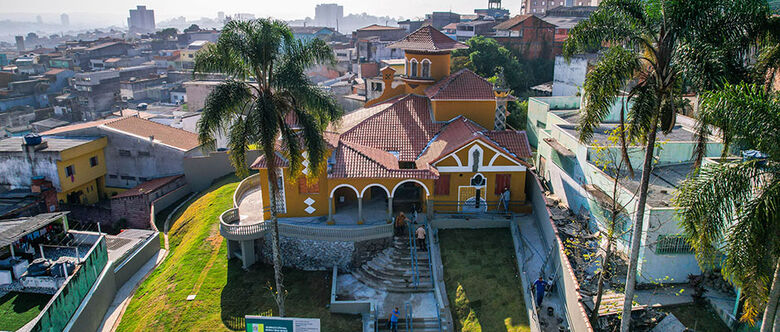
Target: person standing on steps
point(394, 319)
point(400, 224)
point(503, 201)
point(420, 237)
point(539, 287)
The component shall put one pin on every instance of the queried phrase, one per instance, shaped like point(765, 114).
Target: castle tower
point(501, 91)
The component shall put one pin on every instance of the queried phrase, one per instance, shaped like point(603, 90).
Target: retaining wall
point(318, 255)
point(567, 282)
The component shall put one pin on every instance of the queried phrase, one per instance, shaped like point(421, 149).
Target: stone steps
point(395, 286)
point(418, 324)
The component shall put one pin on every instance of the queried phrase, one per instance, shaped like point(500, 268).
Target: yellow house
point(76, 166)
point(435, 144)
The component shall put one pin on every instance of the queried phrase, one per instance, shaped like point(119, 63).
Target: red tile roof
point(177, 138)
point(405, 126)
point(148, 186)
point(77, 126)
point(514, 141)
point(463, 85)
point(377, 27)
point(260, 162)
point(359, 161)
point(427, 38)
point(458, 131)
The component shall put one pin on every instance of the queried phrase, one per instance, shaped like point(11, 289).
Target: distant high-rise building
point(221, 16)
point(243, 16)
point(540, 7)
point(141, 20)
point(64, 19)
point(328, 15)
point(39, 19)
point(20, 43)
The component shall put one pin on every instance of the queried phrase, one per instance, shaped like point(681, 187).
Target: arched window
point(413, 68)
point(426, 68)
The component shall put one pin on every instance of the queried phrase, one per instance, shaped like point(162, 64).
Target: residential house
point(541, 7)
point(582, 178)
point(76, 166)
point(135, 204)
point(137, 150)
point(530, 35)
point(312, 32)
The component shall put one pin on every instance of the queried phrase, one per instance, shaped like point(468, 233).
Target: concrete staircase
point(391, 270)
point(418, 324)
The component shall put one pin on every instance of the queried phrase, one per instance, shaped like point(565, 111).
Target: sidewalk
point(125, 293)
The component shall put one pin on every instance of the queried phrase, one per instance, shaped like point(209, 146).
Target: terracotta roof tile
point(514, 141)
point(427, 38)
point(359, 161)
point(377, 27)
point(77, 126)
point(405, 126)
point(178, 138)
point(260, 162)
point(457, 132)
point(148, 186)
point(465, 84)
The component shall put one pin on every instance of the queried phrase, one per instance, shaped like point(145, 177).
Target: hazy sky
point(117, 10)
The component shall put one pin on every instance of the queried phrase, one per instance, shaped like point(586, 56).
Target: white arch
point(357, 192)
point(481, 155)
point(372, 185)
point(427, 193)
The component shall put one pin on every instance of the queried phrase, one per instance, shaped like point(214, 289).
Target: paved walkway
point(125, 294)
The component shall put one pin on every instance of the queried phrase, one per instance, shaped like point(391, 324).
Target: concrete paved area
point(250, 207)
point(126, 292)
point(423, 304)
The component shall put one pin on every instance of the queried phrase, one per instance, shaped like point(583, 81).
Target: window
point(125, 177)
point(141, 179)
point(413, 68)
point(442, 185)
point(124, 153)
point(70, 171)
point(112, 176)
point(672, 244)
point(306, 187)
point(478, 180)
point(502, 181)
point(540, 124)
point(143, 153)
point(93, 161)
point(426, 68)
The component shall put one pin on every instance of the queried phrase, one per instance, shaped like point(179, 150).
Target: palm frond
point(225, 104)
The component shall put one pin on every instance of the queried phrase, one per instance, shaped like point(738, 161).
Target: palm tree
point(733, 209)
point(266, 85)
point(653, 45)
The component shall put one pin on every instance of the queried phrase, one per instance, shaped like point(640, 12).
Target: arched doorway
point(344, 200)
point(375, 199)
point(409, 196)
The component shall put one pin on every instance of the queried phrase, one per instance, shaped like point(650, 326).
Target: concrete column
point(360, 210)
point(429, 207)
point(330, 211)
point(230, 248)
point(248, 252)
point(390, 208)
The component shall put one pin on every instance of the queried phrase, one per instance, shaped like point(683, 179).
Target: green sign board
point(281, 324)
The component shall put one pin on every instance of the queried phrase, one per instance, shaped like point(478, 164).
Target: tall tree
point(733, 209)
point(653, 44)
point(266, 85)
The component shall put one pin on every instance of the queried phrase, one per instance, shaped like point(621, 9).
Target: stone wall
point(313, 255)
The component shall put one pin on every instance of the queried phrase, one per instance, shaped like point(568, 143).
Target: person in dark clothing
point(539, 287)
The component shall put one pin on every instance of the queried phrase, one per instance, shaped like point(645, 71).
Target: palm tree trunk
point(770, 321)
point(636, 239)
point(270, 158)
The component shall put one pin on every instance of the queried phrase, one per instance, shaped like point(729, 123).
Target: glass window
point(413, 71)
point(70, 171)
point(93, 161)
point(426, 68)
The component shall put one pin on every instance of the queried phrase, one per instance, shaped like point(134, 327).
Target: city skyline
point(115, 13)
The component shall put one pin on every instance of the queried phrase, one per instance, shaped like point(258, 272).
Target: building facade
point(141, 20)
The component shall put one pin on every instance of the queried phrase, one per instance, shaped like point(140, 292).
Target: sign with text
point(281, 324)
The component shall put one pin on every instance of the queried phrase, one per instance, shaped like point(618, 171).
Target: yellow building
point(435, 144)
point(76, 166)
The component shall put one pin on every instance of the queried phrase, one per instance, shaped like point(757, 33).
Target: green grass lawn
point(224, 292)
point(699, 318)
point(17, 309)
point(483, 287)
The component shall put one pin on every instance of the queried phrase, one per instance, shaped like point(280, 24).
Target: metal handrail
point(413, 260)
point(429, 243)
point(409, 317)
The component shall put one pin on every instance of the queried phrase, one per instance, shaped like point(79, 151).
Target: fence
point(58, 312)
point(567, 281)
point(232, 231)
